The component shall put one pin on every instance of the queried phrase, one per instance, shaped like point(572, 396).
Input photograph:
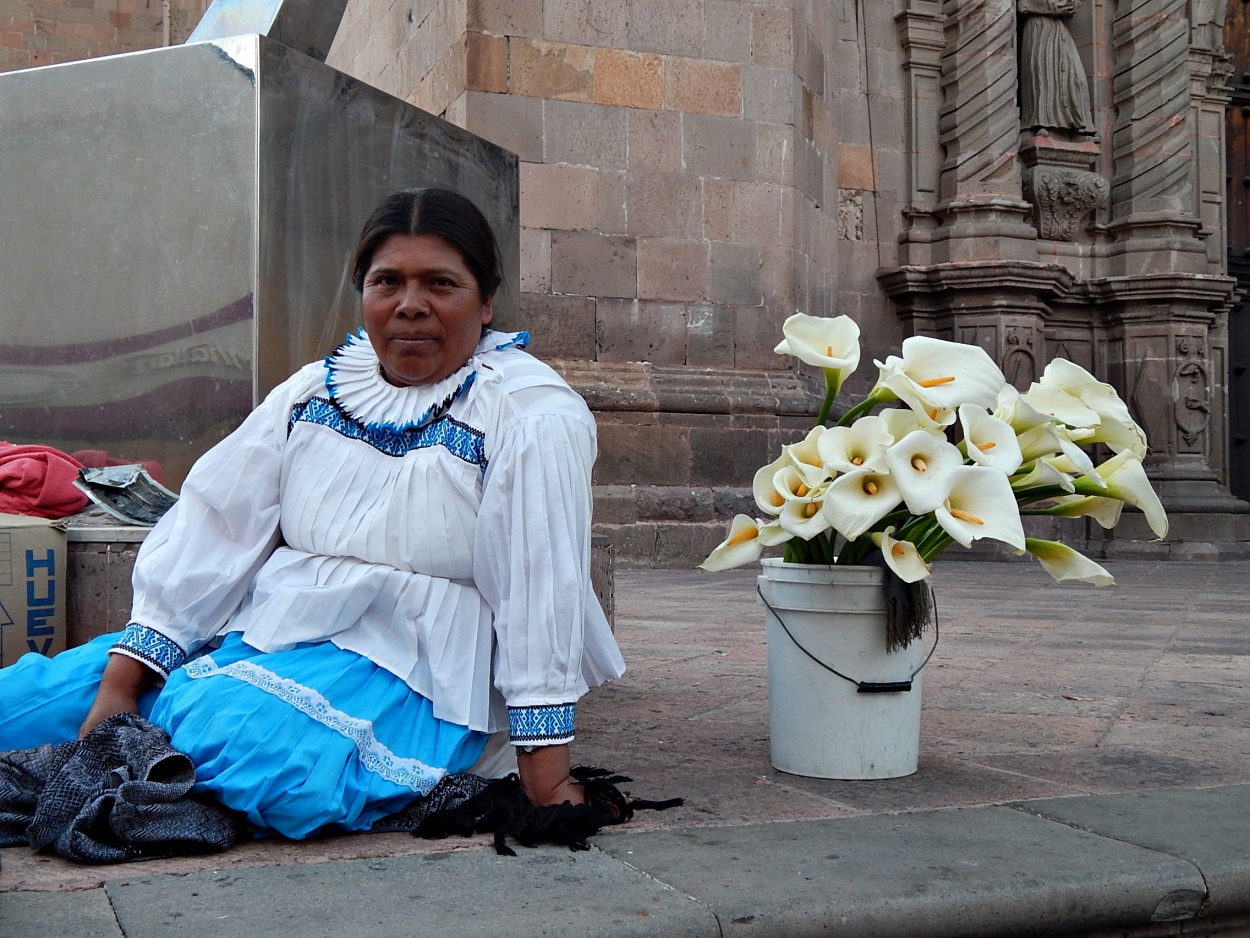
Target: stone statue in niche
point(1054, 93)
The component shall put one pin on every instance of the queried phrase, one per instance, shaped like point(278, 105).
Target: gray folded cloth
point(121, 793)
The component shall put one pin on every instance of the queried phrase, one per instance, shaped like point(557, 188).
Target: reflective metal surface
point(176, 229)
point(308, 26)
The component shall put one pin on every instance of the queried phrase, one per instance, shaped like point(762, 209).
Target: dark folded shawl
point(122, 793)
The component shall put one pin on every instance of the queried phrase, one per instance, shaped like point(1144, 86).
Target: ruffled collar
point(354, 380)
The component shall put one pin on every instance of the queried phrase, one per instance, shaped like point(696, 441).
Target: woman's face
point(422, 309)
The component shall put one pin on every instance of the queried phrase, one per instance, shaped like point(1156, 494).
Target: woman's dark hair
point(439, 212)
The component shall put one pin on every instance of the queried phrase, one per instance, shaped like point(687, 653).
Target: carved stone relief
point(1191, 393)
point(1054, 93)
point(1019, 358)
point(1062, 197)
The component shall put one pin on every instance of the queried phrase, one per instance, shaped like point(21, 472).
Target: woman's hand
point(545, 777)
point(123, 681)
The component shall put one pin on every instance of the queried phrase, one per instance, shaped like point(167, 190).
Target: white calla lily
point(862, 445)
point(802, 517)
point(772, 534)
point(901, 556)
point(1116, 426)
point(934, 375)
point(921, 467)
point(1012, 409)
point(1125, 479)
point(829, 343)
point(742, 546)
point(790, 484)
point(981, 504)
point(1042, 473)
point(991, 442)
point(806, 456)
point(1059, 404)
point(1106, 511)
point(854, 502)
point(900, 421)
point(767, 497)
point(1064, 563)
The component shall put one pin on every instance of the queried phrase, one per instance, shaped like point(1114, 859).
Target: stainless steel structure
point(307, 26)
point(176, 227)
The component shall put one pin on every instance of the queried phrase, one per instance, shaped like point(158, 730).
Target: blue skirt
point(300, 741)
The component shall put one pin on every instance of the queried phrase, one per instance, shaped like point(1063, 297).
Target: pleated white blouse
point(441, 531)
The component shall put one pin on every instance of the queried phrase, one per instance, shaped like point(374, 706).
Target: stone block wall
point(692, 173)
point(47, 32)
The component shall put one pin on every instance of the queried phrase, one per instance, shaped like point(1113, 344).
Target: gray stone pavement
point(1084, 769)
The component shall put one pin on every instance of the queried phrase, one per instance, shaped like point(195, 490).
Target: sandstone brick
point(655, 141)
point(701, 86)
point(719, 458)
point(670, 503)
point(612, 214)
point(640, 330)
point(669, 269)
point(727, 30)
point(769, 94)
point(39, 57)
point(772, 36)
point(734, 273)
point(629, 79)
point(553, 70)
point(590, 264)
point(507, 17)
point(674, 27)
point(590, 22)
point(757, 330)
point(555, 195)
point(559, 326)
point(511, 121)
point(614, 504)
point(855, 167)
point(535, 260)
point(775, 153)
point(585, 134)
point(778, 265)
point(718, 209)
point(718, 146)
point(665, 205)
point(709, 335)
point(10, 40)
point(486, 65)
point(640, 454)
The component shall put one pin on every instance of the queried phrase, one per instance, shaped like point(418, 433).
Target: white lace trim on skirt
point(374, 755)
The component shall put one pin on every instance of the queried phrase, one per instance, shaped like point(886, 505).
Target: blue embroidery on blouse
point(151, 647)
point(520, 340)
point(459, 439)
point(550, 724)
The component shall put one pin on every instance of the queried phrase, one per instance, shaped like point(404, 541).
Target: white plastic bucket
point(819, 724)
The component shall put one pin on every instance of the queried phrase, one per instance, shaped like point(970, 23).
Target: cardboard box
point(32, 587)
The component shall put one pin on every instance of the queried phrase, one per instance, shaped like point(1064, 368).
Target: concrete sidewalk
point(1085, 769)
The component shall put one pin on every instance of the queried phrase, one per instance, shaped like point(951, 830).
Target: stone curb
point(1153, 861)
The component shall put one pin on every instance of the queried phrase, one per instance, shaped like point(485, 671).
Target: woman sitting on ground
point(382, 572)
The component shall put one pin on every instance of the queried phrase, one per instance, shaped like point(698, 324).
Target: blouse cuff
point(544, 725)
point(149, 647)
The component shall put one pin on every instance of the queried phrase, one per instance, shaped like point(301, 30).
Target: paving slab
point(972, 872)
point(550, 892)
point(85, 914)
point(1208, 827)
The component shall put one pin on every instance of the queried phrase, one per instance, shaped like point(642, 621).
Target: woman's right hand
point(123, 680)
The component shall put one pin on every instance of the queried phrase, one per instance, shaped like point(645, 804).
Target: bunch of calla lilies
point(894, 481)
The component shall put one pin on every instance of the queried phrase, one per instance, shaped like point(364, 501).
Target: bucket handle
point(862, 687)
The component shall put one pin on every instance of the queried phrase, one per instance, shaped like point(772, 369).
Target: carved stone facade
point(693, 171)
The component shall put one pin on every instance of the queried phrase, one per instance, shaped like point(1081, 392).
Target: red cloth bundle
point(39, 481)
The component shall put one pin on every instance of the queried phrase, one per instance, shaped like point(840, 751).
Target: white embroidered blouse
point(442, 531)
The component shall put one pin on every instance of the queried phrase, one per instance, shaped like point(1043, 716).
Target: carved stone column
point(982, 213)
point(922, 39)
point(1154, 220)
point(1170, 370)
